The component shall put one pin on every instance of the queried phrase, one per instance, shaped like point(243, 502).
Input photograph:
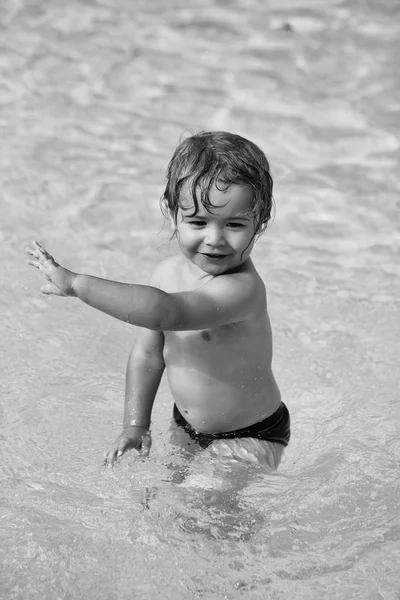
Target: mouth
point(213, 256)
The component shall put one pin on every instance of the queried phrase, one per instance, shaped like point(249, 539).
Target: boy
point(204, 317)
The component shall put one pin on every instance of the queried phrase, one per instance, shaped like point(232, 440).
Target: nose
point(214, 236)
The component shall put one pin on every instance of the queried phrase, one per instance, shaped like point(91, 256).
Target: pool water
point(94, 96)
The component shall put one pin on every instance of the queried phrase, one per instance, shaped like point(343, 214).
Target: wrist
point(139, 424)
point(74, 284)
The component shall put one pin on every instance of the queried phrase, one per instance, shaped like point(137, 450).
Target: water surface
point(94, 96)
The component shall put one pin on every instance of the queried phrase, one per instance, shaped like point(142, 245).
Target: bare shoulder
point(165, 271)
point(228, 298)
point(246, 284)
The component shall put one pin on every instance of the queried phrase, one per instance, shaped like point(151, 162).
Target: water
point(93, 99)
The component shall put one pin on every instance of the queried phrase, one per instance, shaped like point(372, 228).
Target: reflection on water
point(93, 98)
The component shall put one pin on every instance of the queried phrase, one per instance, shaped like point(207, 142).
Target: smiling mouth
point(215, 256)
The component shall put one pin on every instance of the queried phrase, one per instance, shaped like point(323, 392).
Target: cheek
point(248, 243)
point(187, 232)
point(246, 237)
point(184, 236)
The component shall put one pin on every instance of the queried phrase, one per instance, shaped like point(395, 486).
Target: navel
point(206, 336)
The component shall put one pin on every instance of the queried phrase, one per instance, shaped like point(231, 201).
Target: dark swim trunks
point(275, 428)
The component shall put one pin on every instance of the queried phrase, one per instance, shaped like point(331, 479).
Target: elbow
point(169, 317)
point(159, 315)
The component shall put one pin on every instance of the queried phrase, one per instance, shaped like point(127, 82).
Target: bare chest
point(205, 340)
point(230, 348)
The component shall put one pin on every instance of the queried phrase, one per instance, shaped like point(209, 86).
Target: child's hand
point(132, 437)
point(60, 280)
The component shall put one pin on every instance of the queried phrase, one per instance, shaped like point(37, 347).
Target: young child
point(204, 317)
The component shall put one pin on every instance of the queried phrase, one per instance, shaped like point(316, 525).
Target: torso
point(220, 378)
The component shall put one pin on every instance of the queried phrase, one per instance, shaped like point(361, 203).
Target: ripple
point(94, 97)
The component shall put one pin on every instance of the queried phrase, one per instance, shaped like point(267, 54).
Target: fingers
point(45, 268)
point(39, 254)
point(40, 250)
point(39, 246)
point(45, 263)
point(35, 249)
point(34, 263)
point(31, 249)
point(120, 446)
point(114, 453)
point(110, 457)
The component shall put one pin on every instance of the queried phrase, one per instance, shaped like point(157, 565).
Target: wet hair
point(221, 159)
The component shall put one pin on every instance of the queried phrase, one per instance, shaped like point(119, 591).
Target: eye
point(236, 225)
point(197, 223)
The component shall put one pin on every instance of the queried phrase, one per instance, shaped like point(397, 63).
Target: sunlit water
point(93, 99)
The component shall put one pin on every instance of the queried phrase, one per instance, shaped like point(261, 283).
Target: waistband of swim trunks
point(281, 412)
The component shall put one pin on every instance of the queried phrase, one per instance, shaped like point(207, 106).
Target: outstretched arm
point(141, 305)
point(222, 300)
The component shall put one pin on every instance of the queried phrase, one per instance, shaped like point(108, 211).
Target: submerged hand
point(60, 280)
point(132, 437)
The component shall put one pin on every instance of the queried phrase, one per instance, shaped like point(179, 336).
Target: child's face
point(220, 239)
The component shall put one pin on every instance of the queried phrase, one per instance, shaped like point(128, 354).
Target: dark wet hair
point(219, 158)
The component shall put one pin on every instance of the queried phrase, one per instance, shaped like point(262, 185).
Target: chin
point(216, 269)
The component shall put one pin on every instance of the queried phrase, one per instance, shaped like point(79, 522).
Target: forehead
point(233, 201)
